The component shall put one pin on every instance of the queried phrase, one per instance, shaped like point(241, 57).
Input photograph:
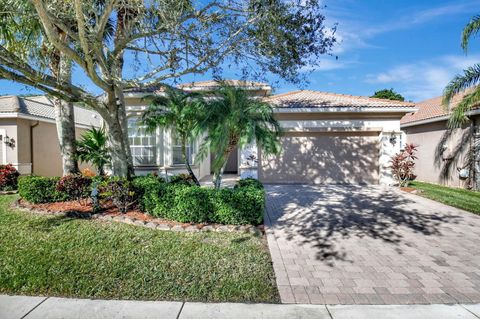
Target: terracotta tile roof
point(430, 109)
point(41, 107)
point(214, 84)
point(315, 99)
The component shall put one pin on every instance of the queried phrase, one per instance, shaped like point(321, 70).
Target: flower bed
point(151, 196)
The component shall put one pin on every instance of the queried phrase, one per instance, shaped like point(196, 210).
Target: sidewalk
point(17, 307)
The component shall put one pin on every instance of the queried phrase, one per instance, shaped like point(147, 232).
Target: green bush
point(148, 188)
point(37, 189)
point(249, 182)
point(239, 206)
point(242, 205)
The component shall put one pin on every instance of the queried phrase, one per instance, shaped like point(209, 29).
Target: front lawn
point(456, 197)
point(59, 256)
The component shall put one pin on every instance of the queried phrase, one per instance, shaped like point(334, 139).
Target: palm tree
point(234, 118)
point(467, 82)
point(93, 148)
point(176, 110)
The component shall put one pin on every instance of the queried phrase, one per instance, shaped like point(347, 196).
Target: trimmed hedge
point(182, 202)
point(38, 189)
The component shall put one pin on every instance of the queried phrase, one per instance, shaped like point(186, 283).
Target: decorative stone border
point(8, 192)
point(152, 224)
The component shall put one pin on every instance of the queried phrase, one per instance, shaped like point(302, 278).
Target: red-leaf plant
point(402, 165)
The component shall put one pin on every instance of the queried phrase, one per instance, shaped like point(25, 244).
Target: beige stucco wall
point(441, 152)
point(47, 160)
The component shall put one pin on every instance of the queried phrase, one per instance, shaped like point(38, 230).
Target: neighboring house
point(445, 156)
point(328, 138)
point(28, 135)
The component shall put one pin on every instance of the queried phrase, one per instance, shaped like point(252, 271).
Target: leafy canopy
point(466, 83)
point(388, 94)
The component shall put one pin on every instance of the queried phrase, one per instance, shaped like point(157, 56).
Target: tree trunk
point(217, 176)
point(61, 67)
point(187, 162)
point(122, 163)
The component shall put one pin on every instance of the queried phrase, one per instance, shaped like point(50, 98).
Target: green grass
point(456, 197)
point(55, 256)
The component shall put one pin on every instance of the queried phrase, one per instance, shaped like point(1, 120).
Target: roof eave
point(435, 119)
point(346, 110)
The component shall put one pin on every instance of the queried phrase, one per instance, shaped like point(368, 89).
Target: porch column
point(389, 146)
point(476, 156)
point(248, 166)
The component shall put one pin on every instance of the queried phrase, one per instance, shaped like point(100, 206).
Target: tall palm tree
point(93, 148)
point(467, 82)
point(176, 110)
point(234, 118)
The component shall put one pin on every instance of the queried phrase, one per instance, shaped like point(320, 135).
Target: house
point(445, 156)
point(28, 134)
point(328, 138)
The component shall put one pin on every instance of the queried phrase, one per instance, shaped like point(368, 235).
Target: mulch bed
point(108, 211)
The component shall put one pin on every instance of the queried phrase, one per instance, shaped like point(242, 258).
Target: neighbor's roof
point(430, 109)
point(41, 107)
point(315, 99)
point(215, 84)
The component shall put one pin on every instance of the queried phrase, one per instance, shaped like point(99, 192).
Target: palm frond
point(461, 82)
point(470, 30)
point(459, 114)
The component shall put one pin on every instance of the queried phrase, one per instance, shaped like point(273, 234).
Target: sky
point(409, 45)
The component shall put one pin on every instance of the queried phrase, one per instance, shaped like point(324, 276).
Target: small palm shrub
point(93, 148)
point(8, 177)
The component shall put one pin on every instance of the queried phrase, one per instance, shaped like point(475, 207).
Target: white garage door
point(323, 158)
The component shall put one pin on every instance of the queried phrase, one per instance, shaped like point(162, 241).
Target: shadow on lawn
point(48, 224)
point(321, 216)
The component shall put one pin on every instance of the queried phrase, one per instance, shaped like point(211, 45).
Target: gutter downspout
point(31, 144)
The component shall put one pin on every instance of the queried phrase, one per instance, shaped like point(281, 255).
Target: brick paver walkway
point(370, 245)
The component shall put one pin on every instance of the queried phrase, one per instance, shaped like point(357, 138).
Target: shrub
point(37, 189)
point(249, 182)
point(183, 179)
point(121, 192)
point(182, 203)
point(402, 165)
point(239, 206)
point(191, 204)
point(75, 186)
point(147, 189)
point(8, 177)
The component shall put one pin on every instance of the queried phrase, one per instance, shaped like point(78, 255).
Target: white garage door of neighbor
point(323, 158)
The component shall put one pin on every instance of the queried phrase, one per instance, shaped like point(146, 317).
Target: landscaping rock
point(255, 231)
point(177, 228)
point(128, 220)
point(139, 223)
point(118, 218)
point(242, 229)
point(222, 228)
point(208, 228)
point(192, 229)
point(163, 227)
point(151, 225)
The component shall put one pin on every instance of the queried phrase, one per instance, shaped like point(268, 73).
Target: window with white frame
point(177, 157)
point(142, 144)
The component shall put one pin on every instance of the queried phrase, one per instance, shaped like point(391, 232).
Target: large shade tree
point(32, 46)
point(152, 41)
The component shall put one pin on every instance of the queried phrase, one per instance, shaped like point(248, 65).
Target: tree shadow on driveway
point(321, 216)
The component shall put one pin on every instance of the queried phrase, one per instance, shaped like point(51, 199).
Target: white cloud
point(354, 32)
point(424, 79)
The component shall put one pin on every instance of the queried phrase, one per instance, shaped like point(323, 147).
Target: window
point(142, 144)
point(177, 157)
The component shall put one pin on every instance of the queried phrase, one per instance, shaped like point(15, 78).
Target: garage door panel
point(323, 159)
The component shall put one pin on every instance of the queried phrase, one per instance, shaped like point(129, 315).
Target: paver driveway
point(370, 245)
